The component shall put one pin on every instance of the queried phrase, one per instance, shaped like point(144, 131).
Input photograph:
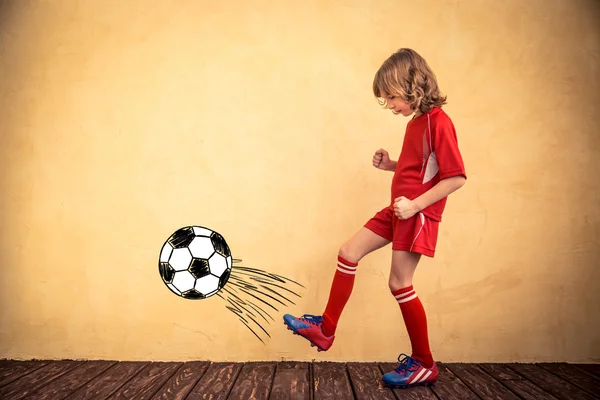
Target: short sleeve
point(447, 153)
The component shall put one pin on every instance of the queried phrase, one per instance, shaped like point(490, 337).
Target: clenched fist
point(404, 208)
point(381, 160)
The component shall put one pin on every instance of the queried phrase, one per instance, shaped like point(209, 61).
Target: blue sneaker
point(309, 327)
point(410, 373)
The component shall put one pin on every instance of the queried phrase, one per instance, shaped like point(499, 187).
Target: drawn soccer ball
point(195, 262)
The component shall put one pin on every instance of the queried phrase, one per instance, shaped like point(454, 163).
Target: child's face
point(398, 105)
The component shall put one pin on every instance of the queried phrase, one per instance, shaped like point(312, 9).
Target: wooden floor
point(97, 380)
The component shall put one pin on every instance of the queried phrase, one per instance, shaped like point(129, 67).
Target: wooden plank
point(592, 369)
point(367, 383)
point(522, 387)
point(182, 382)
point(500, 372)
point(31, 382)
point(147, 382)
point(450, 387)
point(109, 381)
point(71, 381)
point(550, 382)
point(291, 381)
point(572, 374)
point(413, 393)
point(253, 382)
point(12, 370)
point(217, 381)
point(330, 381)
point(481, 383)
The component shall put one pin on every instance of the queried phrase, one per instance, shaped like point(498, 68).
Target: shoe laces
point(407, 364)
point(312, 319)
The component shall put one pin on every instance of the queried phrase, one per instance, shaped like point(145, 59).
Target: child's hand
point(381, 160)
point(404, 208)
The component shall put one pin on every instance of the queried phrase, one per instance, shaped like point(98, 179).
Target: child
point(429, 168)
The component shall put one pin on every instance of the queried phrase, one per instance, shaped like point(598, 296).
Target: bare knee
point(396, 283)
point(349, 253)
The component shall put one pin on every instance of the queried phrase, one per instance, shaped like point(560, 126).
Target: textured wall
point(123, 121)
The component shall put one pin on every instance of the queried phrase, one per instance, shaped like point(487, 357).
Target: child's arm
point(405, 208)
point(391, 166)
point(439, 191)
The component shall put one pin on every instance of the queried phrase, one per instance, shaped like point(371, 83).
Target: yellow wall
point(122, 121)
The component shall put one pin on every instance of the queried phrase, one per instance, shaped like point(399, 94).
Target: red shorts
point(417, 234)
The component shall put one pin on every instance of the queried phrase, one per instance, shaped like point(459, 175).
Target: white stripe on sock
point(401, 295)
point(414, 296)
point(346, 271)
point(341, 264)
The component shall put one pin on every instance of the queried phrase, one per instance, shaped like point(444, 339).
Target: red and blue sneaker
point(410, 373)
point(309, 327)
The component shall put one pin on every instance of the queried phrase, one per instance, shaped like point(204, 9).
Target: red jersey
point(429, 154)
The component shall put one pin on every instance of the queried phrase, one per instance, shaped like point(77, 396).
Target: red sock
point(343, 282)
point(416, 324)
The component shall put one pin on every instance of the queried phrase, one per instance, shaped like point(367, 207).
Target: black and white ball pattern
point(195, 262)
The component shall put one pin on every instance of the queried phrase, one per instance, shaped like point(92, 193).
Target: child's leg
point(403, 268)
point(319, 330)
point(350, 253)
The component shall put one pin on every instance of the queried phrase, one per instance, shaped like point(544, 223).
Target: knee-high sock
point(416, 324)
point(341, 288)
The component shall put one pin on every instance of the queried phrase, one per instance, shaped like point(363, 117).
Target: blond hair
point(406, 74)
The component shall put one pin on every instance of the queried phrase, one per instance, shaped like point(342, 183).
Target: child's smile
point(398, 106)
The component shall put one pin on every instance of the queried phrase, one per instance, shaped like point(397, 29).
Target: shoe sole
point(390, 385)
point(312, 344)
